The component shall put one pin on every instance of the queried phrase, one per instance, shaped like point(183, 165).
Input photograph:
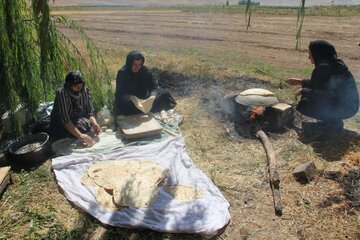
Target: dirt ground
point(270, 38)
point(326, 208)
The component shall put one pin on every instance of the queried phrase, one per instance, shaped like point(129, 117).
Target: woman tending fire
point(331, 94)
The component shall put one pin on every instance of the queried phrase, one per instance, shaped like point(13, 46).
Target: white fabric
point(105, 142)
point(205, 216)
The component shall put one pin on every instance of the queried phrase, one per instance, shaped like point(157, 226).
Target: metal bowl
point(29, 150)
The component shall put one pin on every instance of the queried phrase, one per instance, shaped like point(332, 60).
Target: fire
point(256, 111)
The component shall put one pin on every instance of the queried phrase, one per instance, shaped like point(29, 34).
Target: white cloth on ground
point(105, 142)
point(205, 216)
point(108, 141)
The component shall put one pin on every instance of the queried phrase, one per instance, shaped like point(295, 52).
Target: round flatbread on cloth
point(111, 177)
point(131, 183)
point(102, 167)
point(140, 190)
point(105, 200)
point(107, 173)
point(136, 192)
point(184, 193)
point(87, 180)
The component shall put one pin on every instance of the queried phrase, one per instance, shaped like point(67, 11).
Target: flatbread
point(109, 177)
point(140, 190)
point(257, 91)
point(154, 171)
point(87, 180)
point(131, 183)
point(97, 169)
point(105, 200)
point(136, 192)
point(184, 193)
point(143, 105)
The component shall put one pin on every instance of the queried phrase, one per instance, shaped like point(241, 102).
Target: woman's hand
point(294, 82)
point(87, 139)
point(96, 128)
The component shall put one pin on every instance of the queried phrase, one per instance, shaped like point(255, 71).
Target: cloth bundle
point(206, 216)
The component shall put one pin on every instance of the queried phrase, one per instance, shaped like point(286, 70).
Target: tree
point(299, 23)
point(35, 57)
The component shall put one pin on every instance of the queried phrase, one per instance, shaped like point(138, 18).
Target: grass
point(207, 64)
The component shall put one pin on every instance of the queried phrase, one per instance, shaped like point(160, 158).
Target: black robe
point(331, 93)
point(140, 84)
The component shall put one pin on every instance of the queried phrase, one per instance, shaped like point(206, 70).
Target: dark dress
point(331, 94)
point(140, 84)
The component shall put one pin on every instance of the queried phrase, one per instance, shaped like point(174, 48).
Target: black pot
point(36, 154)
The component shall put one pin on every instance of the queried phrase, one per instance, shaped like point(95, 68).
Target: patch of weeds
point(58, 232)
point(23, 177)
point(42, 174)
point(304, 71)
point(39, 223)
point(84, 230)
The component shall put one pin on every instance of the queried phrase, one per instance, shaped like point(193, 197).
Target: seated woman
point(331, 94)
point(135, 85)
point(73, 113)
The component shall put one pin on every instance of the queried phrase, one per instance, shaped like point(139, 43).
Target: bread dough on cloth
point(125, 183)
point(185, 201)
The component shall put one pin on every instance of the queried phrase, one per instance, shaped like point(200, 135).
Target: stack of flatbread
point(125, 183)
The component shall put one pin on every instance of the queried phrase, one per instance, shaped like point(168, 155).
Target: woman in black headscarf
point(134, 79)
point(73, 111)
point(331, 94)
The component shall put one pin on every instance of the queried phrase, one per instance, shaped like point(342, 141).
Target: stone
point(305, 172)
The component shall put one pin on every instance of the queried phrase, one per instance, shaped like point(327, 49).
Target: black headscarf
point(322, 50)
point(73, 78)
point(131, 57)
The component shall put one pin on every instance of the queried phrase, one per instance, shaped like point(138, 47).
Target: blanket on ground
point(205, 216)
point(108, 141)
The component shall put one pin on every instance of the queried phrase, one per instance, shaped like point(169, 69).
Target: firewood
point(273, 174)
point(5, 178)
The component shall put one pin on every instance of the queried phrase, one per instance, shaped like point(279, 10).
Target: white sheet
point(205, 216)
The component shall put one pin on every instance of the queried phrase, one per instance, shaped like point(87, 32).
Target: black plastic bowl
point(30, 157)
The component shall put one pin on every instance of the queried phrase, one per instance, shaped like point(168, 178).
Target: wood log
point(273, 174)
point(5, 178)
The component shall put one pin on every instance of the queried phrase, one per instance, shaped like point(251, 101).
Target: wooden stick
point(274, 176)
point(5, 178)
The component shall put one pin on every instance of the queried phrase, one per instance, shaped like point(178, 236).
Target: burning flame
point(256, 111)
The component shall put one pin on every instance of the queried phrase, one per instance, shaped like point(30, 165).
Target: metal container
point(29, 150)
